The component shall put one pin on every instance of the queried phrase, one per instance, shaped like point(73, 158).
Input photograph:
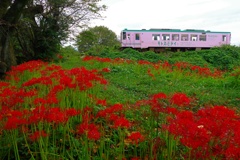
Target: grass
point(101, 109)
point(131, 82)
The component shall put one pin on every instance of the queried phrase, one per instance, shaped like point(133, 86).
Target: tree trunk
point(9, 18)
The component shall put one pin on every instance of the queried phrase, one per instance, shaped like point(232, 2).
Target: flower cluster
point(90, 130)
point(209, 132)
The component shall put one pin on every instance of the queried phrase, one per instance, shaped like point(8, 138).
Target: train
point(158, 40)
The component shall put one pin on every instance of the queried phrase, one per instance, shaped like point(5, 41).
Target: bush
point(225, 57)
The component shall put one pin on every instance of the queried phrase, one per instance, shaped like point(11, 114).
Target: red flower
point(14, 123)
point(101, 102)
point(160, 96)
point(38, 114)
point(122, 122)
point(72, 112)
point(55, 115)
point(36, 135)
point(136, 137)
point(93, 134)
point(113, 117)
point(90, 130)
point(106, 70)
point(180, 99)
point(233, 152)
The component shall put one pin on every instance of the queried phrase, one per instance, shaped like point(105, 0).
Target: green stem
point(25, 139)
point(14, 141)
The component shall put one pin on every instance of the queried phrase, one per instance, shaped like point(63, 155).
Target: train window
point(224, 38)
point(175, 37)
point(193, 37)
point(124, 35)
point(184, 37)
point(166, 37)
point(203, 37)
point(156, 37)
point(137, 36)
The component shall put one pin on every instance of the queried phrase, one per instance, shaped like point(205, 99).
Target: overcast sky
point(214, 15)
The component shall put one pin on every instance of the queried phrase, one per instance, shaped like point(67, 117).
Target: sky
point(213, 15)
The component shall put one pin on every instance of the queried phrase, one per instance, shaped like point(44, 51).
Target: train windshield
point(124, 36)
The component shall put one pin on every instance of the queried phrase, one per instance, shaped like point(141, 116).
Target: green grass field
point(124, 106)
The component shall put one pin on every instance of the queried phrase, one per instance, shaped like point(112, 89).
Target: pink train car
point(175, 39)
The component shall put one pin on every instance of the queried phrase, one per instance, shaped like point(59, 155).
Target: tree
point(36, 28)
point(10, 13)
point(58, 20)
point(95, 37)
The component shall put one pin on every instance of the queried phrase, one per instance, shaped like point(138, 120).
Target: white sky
point(213, 15)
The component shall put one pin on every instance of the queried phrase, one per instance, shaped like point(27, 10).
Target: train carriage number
point(167, 43)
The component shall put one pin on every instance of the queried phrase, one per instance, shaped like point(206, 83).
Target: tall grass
point(101, 108)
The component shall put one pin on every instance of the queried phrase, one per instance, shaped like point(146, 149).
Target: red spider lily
point(27, 66)
point(90, 130)
point(36, 135)
point(180, 99)
point(159, 96)
point(166, 64)
point(106, 70)
point(136, 137)
point(42, 80)
point(51, 68)
point(204, 71)
point(215, 129)
point(110, 110)
point(101, 102)
point(72, 112)
point(88, 58)
point(37, 115)
point(144, 62)
point(182, 65)
point(232, 152)
point(155, 103)
point(57, 88)
point(150, 74)
point(52, 99)
point(40, 101)
point(94, 134)
point(55, 115)
point(103, 59)
point(116, 108)
point(121, 122)
point(67, 82)
point(192, 134)
point(4, 84)
point(14, 123)
point(171, 110)
point(112, 117)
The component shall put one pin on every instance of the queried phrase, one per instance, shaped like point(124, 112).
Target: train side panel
point(173, 39)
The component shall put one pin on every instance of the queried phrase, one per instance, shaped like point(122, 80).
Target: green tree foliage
point(37, 28)
point(226, 57)
point(96, 38)
point(10, 14)
point(55, 23)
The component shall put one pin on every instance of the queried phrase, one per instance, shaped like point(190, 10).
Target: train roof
point(174, 30)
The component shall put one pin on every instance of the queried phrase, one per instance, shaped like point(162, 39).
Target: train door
point(125, 39)
point(137, 40)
